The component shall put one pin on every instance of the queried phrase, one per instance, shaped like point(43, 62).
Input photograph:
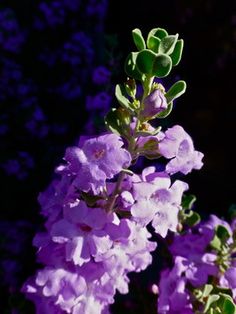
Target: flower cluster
point(202, 257)
point(99, 212)
point(88, 251)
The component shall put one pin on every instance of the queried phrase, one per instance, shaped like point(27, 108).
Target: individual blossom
point(156, 200)
point(81, 230)
point(154, 104)
point(177, 145)
point(98, 159)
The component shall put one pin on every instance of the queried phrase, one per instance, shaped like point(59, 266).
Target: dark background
point(208, 110)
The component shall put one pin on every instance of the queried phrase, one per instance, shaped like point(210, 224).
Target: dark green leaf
point(145, 60)
point(191, 218)
point(138, 39)
point(188, 201)
point(175, 91)
point(118, 121)
point(166, 112)
point(167, 44)
point(153, 43)
point(177, 53)
point(90, 199)
point(131, 68)
point(120, 96)
point(112, 122)
point(226, 304)
point(162, 65)
point(222, 233)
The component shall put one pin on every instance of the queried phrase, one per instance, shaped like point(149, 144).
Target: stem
point(147, 85)
point(116, 192)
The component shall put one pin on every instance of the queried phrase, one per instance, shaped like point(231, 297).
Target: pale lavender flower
point(157, 201)
point(82, 232)
point(154, 104)
point(60, 288)
point(178, 145)
point(173, 295)
point(99, 159)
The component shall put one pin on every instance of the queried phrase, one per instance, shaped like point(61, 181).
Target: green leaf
point(130, 87)
point(112, 123)
point(188, 200)
point(90, 199)
point(177, 53)
point(131, 68)
point(162, 65)
point(216, 243)
point(145, 60)
point(153, 43)
point(138, 39)
point(191, 218)
point(175, 91)
point(207, 290)
point(150, 149)
point(227, 304)
point(148, 133)
point(222, 233)
point(120, 96)
point(211, 299)
point(166, 112)
point(167, 44)
point(118, 121)
point(158, 32)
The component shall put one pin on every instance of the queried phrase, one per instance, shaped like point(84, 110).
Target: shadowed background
point(46, 64)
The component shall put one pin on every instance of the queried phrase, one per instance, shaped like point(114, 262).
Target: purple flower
point(178, 145)
point(99, 159)
point(101, 75)
point(82, 232)
point(154, 104)
point(61, 288)
point(157, 201)
point(173, 295)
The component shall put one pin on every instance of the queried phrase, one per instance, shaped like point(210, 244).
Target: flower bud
point(154, 103)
